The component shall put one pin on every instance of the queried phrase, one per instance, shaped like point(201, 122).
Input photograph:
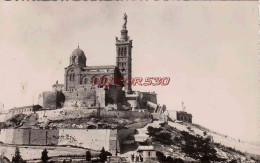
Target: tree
point(88, 156)
point(45, 157)
point(169, 159)
point(196, 146)
point(161, 157)
point(103, 155)
point(17, 157)
point(205, 159)
point(178, 160)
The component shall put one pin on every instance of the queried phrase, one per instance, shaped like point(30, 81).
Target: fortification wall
point(114, 95)
point(94, 139)
point(48, 100)
point(84, 96)
point(7, 136)
point(124, 114)
point(21, 136)
point(38, 137)
point(2, 135)
point(65, 113)
point(52, 137)
point(29, 136)
point(70, 113)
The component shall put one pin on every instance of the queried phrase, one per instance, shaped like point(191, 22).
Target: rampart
point(93, 139)
point(124, 114)
point(70, 113)
point(83, 96)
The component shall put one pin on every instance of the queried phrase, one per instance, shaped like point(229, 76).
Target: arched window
point(125, 51)
point(122, 51)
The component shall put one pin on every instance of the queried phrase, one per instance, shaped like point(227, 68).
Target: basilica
point(78, 74)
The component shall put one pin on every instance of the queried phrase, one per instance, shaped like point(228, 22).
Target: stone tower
point(124, 55)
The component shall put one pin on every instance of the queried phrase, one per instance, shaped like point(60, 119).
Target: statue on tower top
point(125, 19)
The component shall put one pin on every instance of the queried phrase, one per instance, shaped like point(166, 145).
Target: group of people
point(137, 158)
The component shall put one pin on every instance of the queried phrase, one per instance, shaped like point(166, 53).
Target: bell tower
point(124, 55)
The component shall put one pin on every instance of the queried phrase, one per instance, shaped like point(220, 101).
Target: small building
point(25, 109)
point(184, 116)
point(57, 87)
point(147, 153)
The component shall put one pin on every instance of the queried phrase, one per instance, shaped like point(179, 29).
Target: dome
point(78, 58)
point(78, 52)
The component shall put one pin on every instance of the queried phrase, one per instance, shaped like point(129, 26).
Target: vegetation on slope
point(199, 148)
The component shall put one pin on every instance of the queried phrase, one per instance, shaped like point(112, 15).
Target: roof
point(100, 67)
point(29, 106)
point(183, 112)
point(145, 148)
point(78, 52)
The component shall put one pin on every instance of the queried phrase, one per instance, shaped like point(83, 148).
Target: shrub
point(197, 146)
point(45, 157)
point(17, 157)
point(157, 135)
point(160, 156)
point(103, 155)
point(178, 160)
point(88, 156)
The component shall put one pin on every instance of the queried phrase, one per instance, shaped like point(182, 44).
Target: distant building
point(25, 109)
point(57, 87)
point(147, 153)
point(184, 116)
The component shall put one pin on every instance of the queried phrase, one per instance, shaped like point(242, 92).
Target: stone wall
point(48, 100)
point(84, 96)
point(94, 139)
point(70, 113)
point(7, 136)
point(124, 114)
point(114, 95)
point(21, 136)
point(65, 113)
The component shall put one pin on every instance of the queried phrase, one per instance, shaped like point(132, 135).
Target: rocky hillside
point(194, 143)
point(90, 122)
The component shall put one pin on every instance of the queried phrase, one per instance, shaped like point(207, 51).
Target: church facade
point(78, 74)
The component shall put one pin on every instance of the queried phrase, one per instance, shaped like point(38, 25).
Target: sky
point(208, 49)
